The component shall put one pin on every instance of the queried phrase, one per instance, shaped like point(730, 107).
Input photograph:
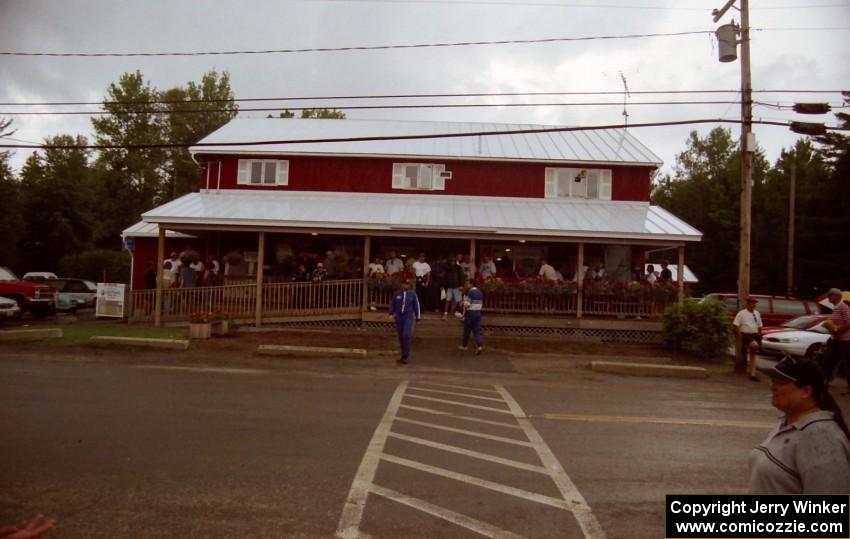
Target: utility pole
point(726, 36)
point(792, 195)
point(727, 42)
point(747, 149)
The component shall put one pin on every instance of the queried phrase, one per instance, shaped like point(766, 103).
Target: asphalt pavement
point(452, 445)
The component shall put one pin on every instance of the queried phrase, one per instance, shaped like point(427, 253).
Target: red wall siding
point(374, 175)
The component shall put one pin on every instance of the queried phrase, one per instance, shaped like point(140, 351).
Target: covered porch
point(260, 238)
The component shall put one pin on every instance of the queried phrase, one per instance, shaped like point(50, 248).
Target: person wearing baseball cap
point(838, 347)
point(808, 452)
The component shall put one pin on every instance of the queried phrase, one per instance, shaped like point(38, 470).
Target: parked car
point(37, 298)
point(796, 342)
point(73, 294)
point(9, 309)
point(807, 321)
point(774, 309)
point(38, 276)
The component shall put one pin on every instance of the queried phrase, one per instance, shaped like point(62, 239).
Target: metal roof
point(398, 214)
point(149, 230)
point(614, 146)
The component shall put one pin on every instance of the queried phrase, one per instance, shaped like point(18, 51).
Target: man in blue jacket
point(404, 308)
point(473, 301)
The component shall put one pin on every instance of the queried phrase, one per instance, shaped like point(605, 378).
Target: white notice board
point(110, 300)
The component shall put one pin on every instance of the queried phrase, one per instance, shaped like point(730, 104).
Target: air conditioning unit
point(446, 174)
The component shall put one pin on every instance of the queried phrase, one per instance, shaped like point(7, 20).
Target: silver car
point(797, 343)
point(9, 308)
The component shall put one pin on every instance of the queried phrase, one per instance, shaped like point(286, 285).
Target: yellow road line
point(659, 420)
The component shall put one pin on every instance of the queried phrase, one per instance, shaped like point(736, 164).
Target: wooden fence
point(282, 299)
point(240, 301)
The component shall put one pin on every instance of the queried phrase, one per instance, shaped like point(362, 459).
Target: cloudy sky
point(796, 45)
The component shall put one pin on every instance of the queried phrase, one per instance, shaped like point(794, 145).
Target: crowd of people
point(187, 271)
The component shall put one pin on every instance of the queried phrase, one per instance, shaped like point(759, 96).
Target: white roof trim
point(442, 214)
point(150, 230)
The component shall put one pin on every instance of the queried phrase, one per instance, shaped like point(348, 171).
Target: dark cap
point(802, 372)
point(752, 300)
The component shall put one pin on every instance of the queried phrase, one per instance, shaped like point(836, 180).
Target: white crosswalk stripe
point(570, 498)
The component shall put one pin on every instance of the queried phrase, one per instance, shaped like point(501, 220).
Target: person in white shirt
point(651, 275)
point(547, 272)
point(422, 272)
point(394, 264)
point(488, 268)
point(747, 325)
point(376, 268)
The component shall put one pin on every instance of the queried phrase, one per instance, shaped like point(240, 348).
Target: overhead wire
point(413, 96)
point(356, 48)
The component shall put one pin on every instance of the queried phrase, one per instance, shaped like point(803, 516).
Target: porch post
point(580, 279)
point(367, 258)
point(681, 274)
point(261, 250)
point(472, 247)
point(160, 260)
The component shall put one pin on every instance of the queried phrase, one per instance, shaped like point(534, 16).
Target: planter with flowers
point(200, 325)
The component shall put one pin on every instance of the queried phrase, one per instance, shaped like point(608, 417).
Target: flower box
point(200, 330)
point(220, 327)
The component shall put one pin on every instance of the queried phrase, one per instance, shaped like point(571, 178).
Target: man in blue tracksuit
point(404, 308)
point(473, 301)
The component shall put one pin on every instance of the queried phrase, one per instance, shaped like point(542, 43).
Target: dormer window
point(420, 176)
point(263, 172)
point(588, 183)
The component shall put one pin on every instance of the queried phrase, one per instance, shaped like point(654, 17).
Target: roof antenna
point(626, 95)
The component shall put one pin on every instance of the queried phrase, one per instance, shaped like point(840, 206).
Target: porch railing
point(283, 299)
point(240, 301)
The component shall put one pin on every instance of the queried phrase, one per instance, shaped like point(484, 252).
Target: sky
point(796, 45)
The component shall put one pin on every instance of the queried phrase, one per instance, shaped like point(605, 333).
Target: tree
point(704, 191)
point(214, 98)
point(332, 114)
point(56, 204)
point(131, 177)
point(10, 216)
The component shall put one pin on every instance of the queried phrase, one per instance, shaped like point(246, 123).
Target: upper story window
point(578, 183)
point(423, 176)
point(263, 172)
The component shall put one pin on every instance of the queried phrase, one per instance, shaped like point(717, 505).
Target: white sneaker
point(445, 316)
point(462, 347)
point(458, 315)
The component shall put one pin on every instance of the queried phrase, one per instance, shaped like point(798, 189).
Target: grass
point(79, 333)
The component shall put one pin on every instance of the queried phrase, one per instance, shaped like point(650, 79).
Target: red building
point(348, 190)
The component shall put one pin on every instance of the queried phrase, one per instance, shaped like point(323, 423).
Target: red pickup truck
point(38, 299)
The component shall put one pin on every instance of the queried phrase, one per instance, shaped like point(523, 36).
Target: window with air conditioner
point(263, 172)
point(420, 176)
point(578, 183)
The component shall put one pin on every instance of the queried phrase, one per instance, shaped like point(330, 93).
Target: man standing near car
point(747, 325)
point(839, 326)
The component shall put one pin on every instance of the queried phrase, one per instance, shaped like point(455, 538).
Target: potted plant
point(200, 325)
point(220, 323)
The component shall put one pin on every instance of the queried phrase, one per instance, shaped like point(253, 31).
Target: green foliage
point(96, 263)
point(10, 216)
point(700, 328)
point(313, 113)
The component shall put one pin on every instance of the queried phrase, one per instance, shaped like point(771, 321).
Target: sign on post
point(110, 300)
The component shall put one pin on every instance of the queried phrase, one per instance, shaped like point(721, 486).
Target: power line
point(394, 137)
point(408, 96)
point(382, 107)
point(576, 5)
point(355, 48)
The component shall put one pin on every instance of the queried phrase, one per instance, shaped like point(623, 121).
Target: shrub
point(700, 328)
point(93, 264)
